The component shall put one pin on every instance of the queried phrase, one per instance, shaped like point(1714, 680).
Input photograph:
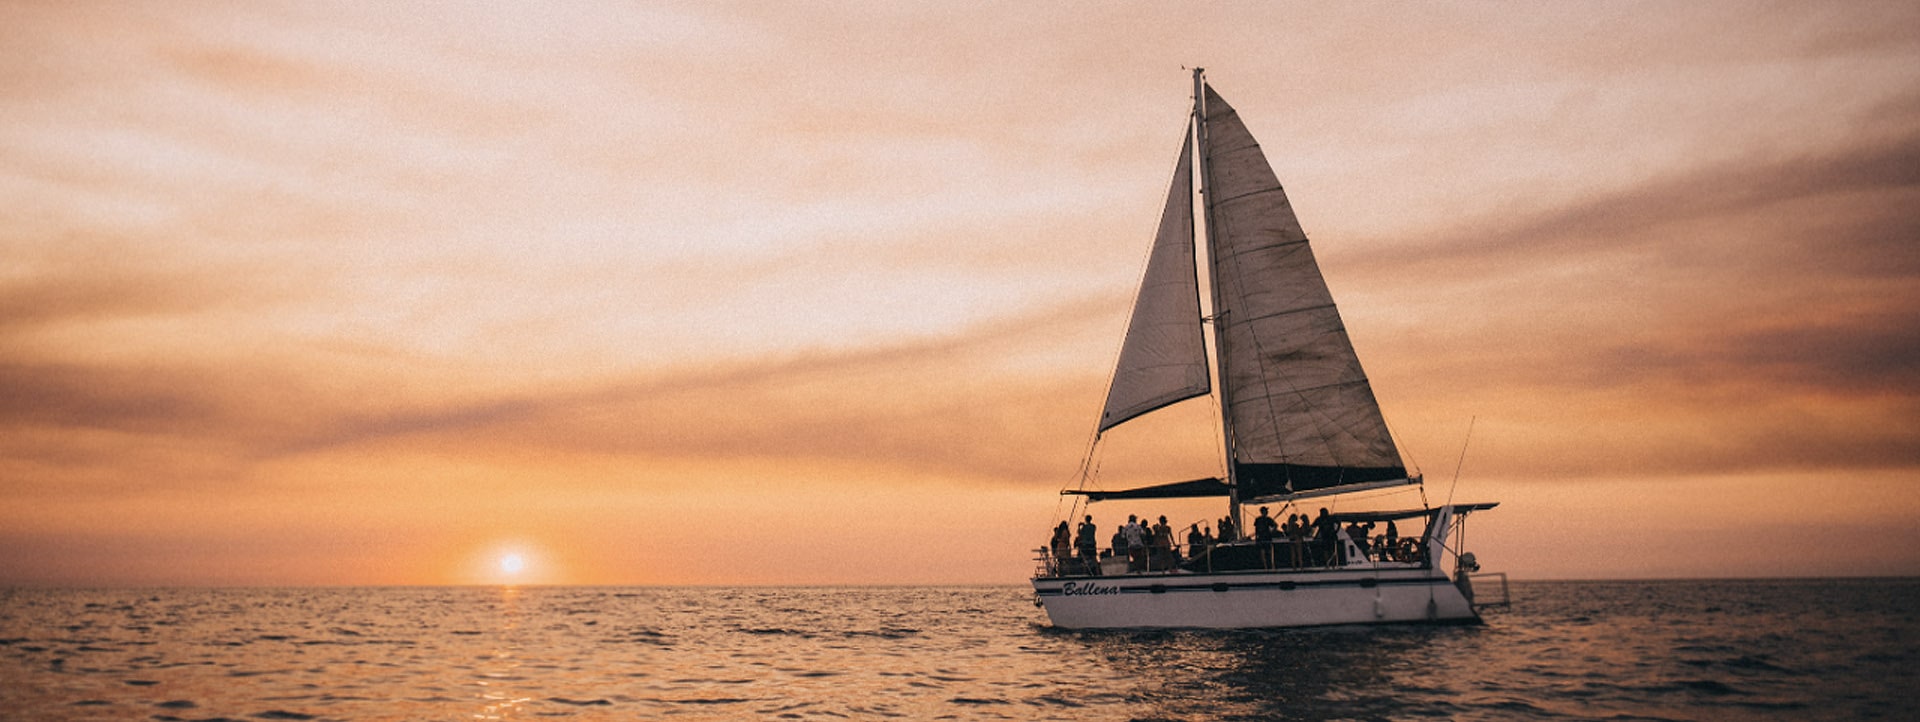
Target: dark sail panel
point(1258, 480)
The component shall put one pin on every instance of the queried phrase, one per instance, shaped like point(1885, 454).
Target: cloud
point(48, 299)
point(1871, 353)
point(991, 401)
point(122, 399)
point(1885, 160)
point(1747, 316)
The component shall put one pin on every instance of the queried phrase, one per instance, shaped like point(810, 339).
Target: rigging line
point(1405, 455)
point(1056, 513)
point(1377, 493)
point(1461, 525)
point(1219, 426)
point(1086, 457)
point(1463, 459)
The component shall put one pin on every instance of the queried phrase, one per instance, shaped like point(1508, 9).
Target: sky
point(828, 293)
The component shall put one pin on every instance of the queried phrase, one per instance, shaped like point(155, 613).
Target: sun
point(512, 564)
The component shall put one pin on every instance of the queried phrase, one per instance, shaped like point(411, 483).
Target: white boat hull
point(1241, 600)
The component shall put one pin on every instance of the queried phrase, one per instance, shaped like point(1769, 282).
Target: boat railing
point(1046, 565)
point(1276, 555)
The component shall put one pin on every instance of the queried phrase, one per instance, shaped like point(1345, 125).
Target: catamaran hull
point(1254, 600)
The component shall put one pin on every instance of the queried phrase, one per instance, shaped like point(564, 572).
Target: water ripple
point(1630, 650)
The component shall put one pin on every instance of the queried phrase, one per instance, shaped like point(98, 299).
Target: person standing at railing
point(1061, 547)
point(1326, 532)
point(1296, 531)
point(1086, 539)
point(1357, 533)
point(1264, 531)
point(1196, 542)
point(1162, 551)
point(1136, 544)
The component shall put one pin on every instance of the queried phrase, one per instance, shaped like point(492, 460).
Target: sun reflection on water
point(500, 667)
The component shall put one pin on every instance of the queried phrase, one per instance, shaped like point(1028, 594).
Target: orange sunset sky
point(796, 293)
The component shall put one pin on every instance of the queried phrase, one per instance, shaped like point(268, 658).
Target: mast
point(1219, 339)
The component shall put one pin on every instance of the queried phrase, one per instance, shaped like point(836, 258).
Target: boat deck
point(1239, 556)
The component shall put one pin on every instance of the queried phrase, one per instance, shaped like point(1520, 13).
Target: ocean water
point(1792, 649)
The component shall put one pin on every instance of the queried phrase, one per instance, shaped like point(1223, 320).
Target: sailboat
point(1298, 418)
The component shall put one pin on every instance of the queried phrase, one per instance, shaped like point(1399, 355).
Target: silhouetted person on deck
point(1162, 551)
point(1326, 531)
point(1264, 531)
point(1136, 544)
point(1061, 546)
point(1357, 533)
point(1296, 531)
point(1086, 540)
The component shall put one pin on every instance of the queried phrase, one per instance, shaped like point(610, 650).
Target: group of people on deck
point(1148, 546)
point(1298, 532)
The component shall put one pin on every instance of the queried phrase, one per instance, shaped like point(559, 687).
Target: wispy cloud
point(1748, 315)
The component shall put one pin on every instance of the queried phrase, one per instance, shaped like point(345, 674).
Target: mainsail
point(1300, 414)
point(1164, 357)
